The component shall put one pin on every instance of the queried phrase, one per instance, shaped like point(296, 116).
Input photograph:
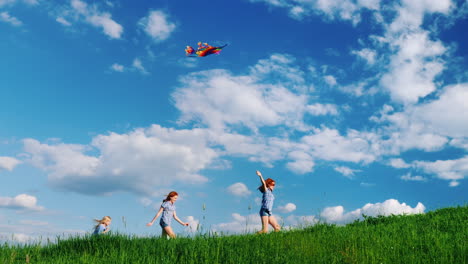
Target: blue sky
point(353, 106)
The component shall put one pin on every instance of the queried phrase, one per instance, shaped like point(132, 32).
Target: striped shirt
point(267, 199)
point(168, 213)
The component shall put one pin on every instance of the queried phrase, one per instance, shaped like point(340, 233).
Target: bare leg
point(264, 225)
point(169, 231)
point(164, 233)
point(274, 223)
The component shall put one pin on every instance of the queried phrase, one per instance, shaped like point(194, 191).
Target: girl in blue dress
point(267, 188)
point(168, 211)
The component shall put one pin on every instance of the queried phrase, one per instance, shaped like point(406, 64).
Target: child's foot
point(262, 232)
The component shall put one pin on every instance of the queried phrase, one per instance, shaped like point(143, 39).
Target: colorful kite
point(204, 49)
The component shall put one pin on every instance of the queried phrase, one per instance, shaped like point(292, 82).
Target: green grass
point(435, 237)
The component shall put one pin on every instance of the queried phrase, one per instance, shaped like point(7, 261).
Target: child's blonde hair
point(98, 222)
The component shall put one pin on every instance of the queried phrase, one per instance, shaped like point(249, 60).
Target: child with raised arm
point(267, 188)
point(103, 225)
point(168, 212)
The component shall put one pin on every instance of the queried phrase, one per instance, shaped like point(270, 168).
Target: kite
point(204, 49)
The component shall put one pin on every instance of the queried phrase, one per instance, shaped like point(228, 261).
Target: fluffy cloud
point(193, 223)
point(452, 170)
point(288, 208)
point(322, 109)
point(301, 163)
point(7, 18)
point(366, 54)
point(157, 25)
point(447, 114)
point(239, 189)
point(274, 93)
point(347, 10)
point(427, 126)
point(239, 224)
point(21, 201)
point(337, 214)
point(8, 163)
point(80, 11)
point(141, 161)
point(399, 163)
point(117, 67)
point(409, 177)
point(26, 231)
point(414, 67)
point(328, 144)
point(138, 65)
point(11, 2)
point(347, 172)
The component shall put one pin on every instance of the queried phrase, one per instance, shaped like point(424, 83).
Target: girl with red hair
point(168, 212)
point(267, 188)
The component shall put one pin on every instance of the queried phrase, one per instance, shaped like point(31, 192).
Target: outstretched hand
point(185, 224)
point(149, 224)
point(259, 174)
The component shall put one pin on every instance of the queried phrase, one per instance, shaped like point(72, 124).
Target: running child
point(168, 211)
point(103, 225)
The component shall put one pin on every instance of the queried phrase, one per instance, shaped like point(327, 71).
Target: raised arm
point(155, 217)
point(262, 180)
point(178, 220)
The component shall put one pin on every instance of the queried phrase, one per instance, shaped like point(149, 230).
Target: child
point(267, 188)
point(168, 211)
point(102, 226)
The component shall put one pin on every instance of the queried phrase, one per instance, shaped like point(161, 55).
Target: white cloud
point(347, 172)
point(63, 21)
point(239, 189)
point(239, 224)
point(410, 13)
point(447, 114)
point(451, 170)
point(193, 223)
point(347, 10)
point(218, 99)
point(296, 221)
point(337, 214)
point(427, 126)
point(117, 67)
point(8, 163)
point(409, 177)
point(322, 109)
point(140, 161)
point(80, 11)
point(414, 67)
point(32, 231)
point(288, 208)
point(301, 162)
point(11, 2)
point(21, 201)
point(399, 163)
point(6, 2)
point(7, 18)
point(330, 80)
point(138, 65)
point(366, 54)
point(157, 25)
point(328, 144)
point(109, 26)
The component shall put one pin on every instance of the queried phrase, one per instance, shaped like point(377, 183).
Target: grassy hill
point(435, 237)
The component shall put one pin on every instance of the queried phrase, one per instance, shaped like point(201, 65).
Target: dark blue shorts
point(162, 224)
point(265, 212)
